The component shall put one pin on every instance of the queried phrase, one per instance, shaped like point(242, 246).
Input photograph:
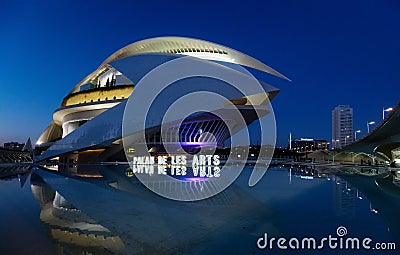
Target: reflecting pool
point(106, 210)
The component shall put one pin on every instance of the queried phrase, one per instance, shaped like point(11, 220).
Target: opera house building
point(87, 127)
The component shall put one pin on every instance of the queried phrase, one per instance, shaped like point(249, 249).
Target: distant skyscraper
point(342, 126)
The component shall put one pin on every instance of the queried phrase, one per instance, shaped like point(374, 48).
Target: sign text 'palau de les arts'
point(176, 165)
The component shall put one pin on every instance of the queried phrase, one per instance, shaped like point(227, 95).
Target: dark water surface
point(101, 210)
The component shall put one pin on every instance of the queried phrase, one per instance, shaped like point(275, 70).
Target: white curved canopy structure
point(184, 46)
point(191, 47)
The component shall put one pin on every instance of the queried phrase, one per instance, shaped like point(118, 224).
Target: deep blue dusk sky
point(336, 52)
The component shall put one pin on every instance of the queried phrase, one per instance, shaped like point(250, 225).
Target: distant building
point(342, 126)
point(14, 146)
point(307, 144)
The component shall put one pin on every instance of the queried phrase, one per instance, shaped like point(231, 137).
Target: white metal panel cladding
point(103, 129)
point(172, 45)
point(191, 47)
point(106, 127)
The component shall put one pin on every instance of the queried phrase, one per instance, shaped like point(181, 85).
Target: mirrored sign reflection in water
point(105, 210)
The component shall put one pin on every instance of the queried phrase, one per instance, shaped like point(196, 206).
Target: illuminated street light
point(386, 110)
point(335, 143)
point(345, 139)
point(355, 134)
point(369, 123)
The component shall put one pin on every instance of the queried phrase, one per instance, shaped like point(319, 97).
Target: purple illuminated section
point(207, 131)
point(195, 179)
point(198, 144)
point(194, 147)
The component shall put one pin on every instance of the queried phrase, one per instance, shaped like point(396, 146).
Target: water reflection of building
point(150, 224)
point(306, 172)
point(73, 231)
point(379, 187)
point(344, 197)
point(9, 171)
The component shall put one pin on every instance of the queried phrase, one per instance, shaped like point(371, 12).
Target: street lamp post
point(369, 123)
point(345, 139)
point(386, 110)
point(336, 142)
point(355, 134)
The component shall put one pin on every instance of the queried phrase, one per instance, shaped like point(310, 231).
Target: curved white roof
point(191, 47)
point(184, 46)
